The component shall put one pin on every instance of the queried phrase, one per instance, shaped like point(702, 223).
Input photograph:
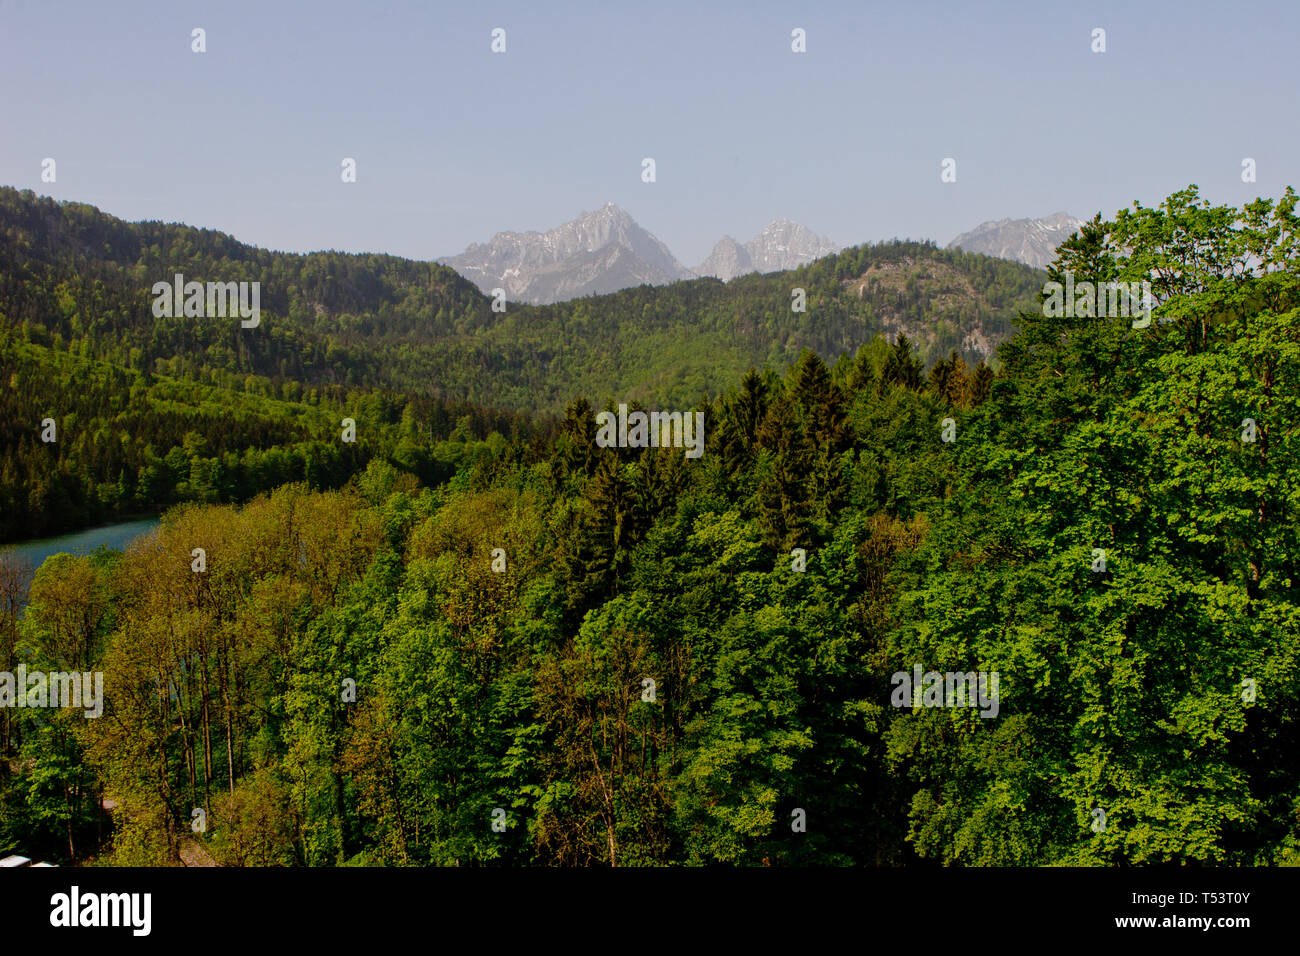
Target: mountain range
point(606, 250)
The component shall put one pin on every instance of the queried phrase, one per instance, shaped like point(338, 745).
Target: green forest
point(474, 636)
point(76, 280)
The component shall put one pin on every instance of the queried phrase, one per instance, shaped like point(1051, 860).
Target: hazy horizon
point(454, 143)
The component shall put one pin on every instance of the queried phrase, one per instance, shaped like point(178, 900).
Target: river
point(116, 536)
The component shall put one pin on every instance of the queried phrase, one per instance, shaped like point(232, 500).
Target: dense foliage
point(499, 621)
point(123, 442)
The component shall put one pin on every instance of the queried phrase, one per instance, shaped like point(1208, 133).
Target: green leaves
point(1171, 450)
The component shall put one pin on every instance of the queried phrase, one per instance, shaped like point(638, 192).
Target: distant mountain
point(596, 253)
point(781, 245)
point(727, 260)
point(1031, 241)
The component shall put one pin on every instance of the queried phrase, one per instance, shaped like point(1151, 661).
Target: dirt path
point(194, 854)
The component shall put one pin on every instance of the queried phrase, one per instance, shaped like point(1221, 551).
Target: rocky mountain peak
point(1031, 241)
point(782, 244)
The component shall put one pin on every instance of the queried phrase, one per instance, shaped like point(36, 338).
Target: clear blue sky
point(454, 143)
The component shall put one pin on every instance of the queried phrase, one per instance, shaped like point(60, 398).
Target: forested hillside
point(506, 644)
point(125, 441)
point(75, 279)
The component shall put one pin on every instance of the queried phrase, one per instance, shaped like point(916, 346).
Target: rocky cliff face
point(781, 245)
point(1031, 241)
point(598, 252)
point(727, 260)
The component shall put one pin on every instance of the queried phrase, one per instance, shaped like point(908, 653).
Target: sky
point(454, 143)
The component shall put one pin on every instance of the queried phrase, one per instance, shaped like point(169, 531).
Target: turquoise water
point(116, 536)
